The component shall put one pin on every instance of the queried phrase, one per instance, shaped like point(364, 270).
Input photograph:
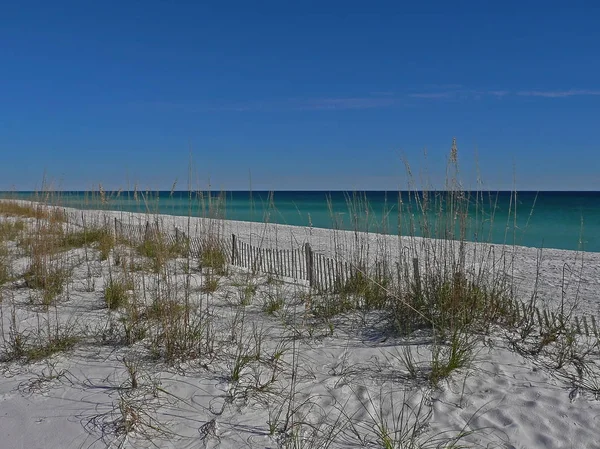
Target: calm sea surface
point(565, 220)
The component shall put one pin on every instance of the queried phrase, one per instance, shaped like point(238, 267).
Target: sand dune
point(339, 384)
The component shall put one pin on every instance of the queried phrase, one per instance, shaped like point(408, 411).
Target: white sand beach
point(265, 374)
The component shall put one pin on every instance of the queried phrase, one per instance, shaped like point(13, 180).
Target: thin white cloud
point(498, 93)
point(346, 103)
point(315, 104)
point(433, 95)
point(373, 100)
point(459, 94)
point(292, 104)
point(559, 93)
point(442, 87)
point(382, 93)
point(501, 93)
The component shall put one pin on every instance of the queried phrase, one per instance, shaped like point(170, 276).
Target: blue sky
point(298, 95)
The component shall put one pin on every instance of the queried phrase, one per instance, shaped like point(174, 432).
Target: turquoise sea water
point(565, 220)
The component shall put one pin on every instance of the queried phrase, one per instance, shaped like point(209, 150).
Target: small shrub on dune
point(450, 303)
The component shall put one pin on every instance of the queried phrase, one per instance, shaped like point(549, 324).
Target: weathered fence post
point(147, 233)
point(232, 249)
point(116, 229)
point(539, 317)
point(309, 263)
point(585, 326)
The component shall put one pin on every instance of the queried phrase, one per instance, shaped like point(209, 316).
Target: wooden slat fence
point(291, 263)
point(325, 273)
point(328, 274)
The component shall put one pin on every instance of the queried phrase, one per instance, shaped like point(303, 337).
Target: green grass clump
point(162, 246)
point(38, 211)
point(159, 249)
point(115, 293)
point(164, 310)
point(10, 230)
point(82, 238)
point(328, 306)
point(447, 359)
point(101, 237)
point(43, 238)
point(20, 347)
point(212, 256)
point(105, 245)
point(150, 248)
point(4, 264)
point(273, 304)
point(359, 292)
point(53, 346)
point(247, 293)
point(447, 303)
point(210, 285)
point(47, 276)
point(372, 293)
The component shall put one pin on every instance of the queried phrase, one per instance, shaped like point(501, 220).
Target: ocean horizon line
point(296, 190)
